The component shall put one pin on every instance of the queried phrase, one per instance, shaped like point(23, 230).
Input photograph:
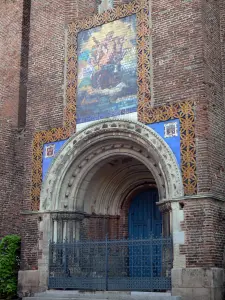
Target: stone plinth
point(198, 283)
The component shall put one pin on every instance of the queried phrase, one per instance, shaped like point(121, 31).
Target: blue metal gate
point(111, 264)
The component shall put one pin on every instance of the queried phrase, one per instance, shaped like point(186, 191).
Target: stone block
point(193, 293)
point(198, 283)
point(185, 294)
point(201, 293)
point(178, 237)
point(197, 277)
point(176, 278)
point(218, 277)
point(28, 282)
point(179, 259)
point(218, 293)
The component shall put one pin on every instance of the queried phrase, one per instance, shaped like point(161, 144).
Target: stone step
point(116, 298)
point(77, 295)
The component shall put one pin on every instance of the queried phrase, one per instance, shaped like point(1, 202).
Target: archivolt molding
point(117, 195)
point(106, 188)
point(84, 152)
point(80, 189)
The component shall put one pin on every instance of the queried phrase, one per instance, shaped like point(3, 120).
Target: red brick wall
point(97, 227)
point(177, 50)
point(187, 64)
point(11, 13)
point(204, 220)
point(178, 66)
point(25, 39)
point(29, 245)
point(213, 81)
point(222, 38)
point(75, 9)
point(11, 31)
point(204, 223)
point(44, 99)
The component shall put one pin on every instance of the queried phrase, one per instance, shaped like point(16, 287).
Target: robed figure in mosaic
point(107, 70)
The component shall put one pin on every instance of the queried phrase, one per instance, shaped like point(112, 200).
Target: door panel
point(144, 216)
point(145, 220)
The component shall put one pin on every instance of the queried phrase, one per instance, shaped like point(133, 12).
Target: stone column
point(43, 262)
point(165, 209)
point(172, 217)
point(167, 253)
point(55, 231)
point(177, 216)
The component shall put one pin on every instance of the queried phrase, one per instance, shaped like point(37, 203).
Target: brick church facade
point(100, 103)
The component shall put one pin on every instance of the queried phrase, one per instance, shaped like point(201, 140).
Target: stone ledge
point(199, 293)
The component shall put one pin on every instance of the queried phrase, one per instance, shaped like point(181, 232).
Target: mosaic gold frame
point(184, 111)
point(141, 9)
point(40, 139)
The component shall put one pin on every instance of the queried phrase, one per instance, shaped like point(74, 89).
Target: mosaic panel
point(107, 71)
point(84, 81)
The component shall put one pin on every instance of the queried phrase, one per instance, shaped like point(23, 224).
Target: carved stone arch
point(101, 158)
point(88, 150)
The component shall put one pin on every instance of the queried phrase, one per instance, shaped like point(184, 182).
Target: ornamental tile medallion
point(50, 151)
point(170, 129)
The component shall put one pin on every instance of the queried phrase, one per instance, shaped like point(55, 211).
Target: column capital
point(164, 206)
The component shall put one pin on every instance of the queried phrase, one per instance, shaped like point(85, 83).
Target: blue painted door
point(145, 220)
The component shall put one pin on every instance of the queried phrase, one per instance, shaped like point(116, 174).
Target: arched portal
point(87, 190)
point(96, 146)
